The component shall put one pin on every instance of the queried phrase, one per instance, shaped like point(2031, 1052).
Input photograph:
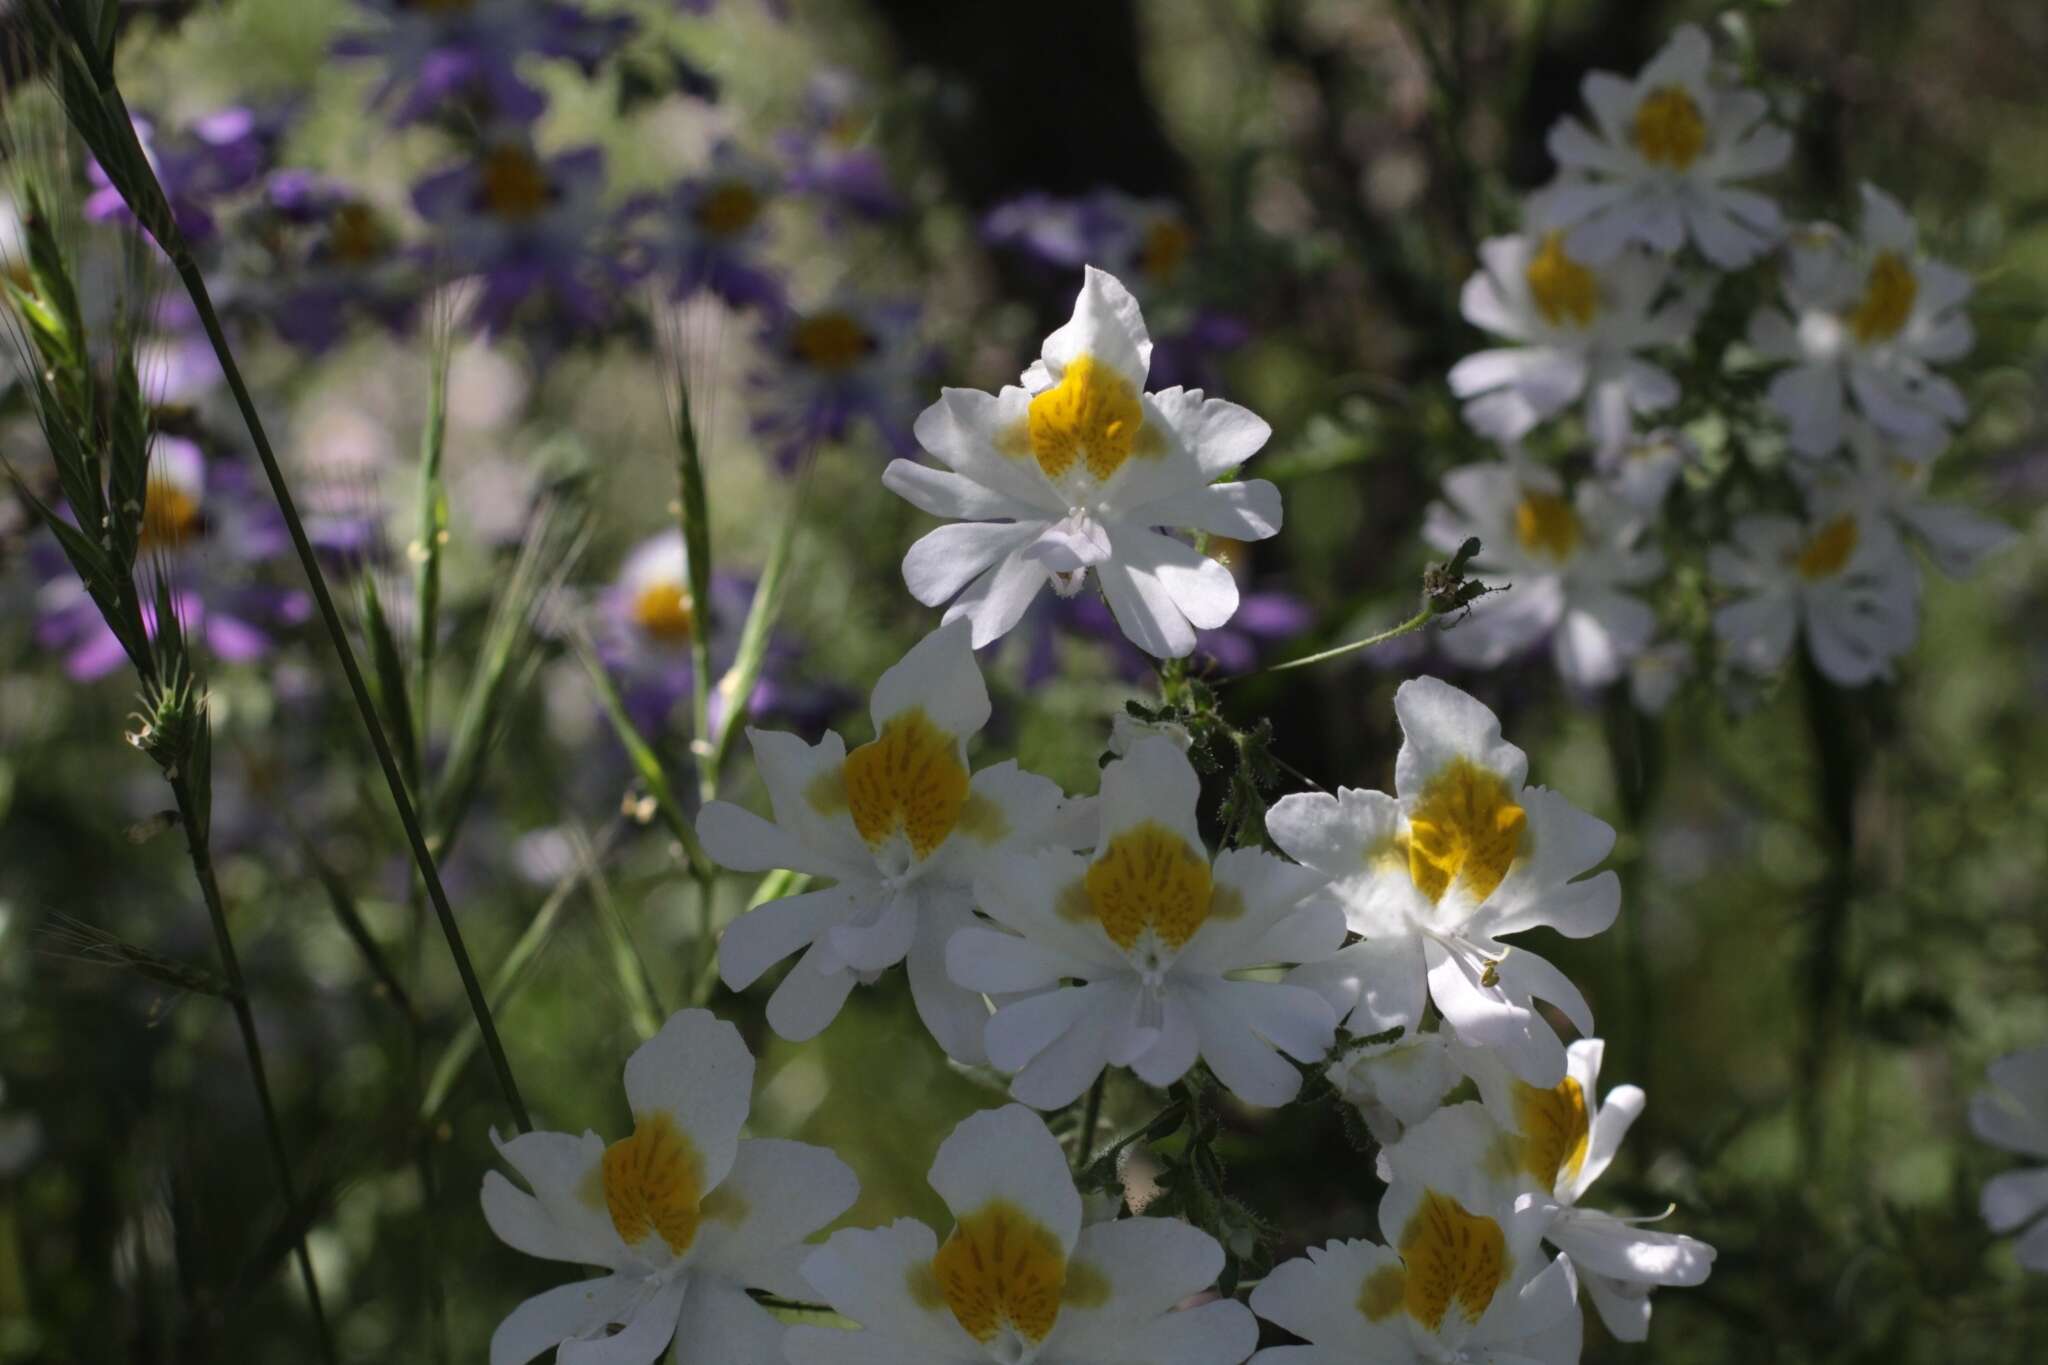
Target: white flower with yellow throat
point(1578, 332)
point(1073, 474)
point(899, 825)
point(1554, 1142)
point(1565, 564)
point(1865, 322)
point(1662, 163)
point(1462, 1278)
point(1020, 1279)
point(1840, 576)
point(684, 1216)
point(1433, 878)
point(1157, 937)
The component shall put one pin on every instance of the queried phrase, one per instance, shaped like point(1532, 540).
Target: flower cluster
point(1604, 300)
point(1053, 938)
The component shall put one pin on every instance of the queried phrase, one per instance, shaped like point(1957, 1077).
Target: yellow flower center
point(1093, 416)
point(1449, 1257)
point(1554, 1130)
point(170, 516)
point(1546, 525)
point(1001, 1270)
point(1887, 301)
point(731, 207)
point(355, 234)
point(1669, 129)
point(1149, 878)
point(1165, 248)
point(909, 781)
point(1465, 830)
point(515, 186)
point(832, 342)
point(664, 611)
point(1828, 551)
point(654, 1183)
point(1564, 290)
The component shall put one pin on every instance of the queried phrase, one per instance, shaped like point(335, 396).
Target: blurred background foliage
point(1814, 961)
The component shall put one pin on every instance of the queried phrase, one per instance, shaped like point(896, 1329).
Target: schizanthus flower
point(899, 824)
point(1435, 876)
point(1662, 163)
point(1153, 931)
point(683, 1215)
point(1072, 473)
point(1020, 1278)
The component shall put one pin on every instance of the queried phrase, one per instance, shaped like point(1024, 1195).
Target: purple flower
point(833, 366)
point(827, 155)
point(705, 235)
point(1144, 242)
point(214, 156)
point(522, 225)
point(334, 256)
point(441, 52)
point(205, 525)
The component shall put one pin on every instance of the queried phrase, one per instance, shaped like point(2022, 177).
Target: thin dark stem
point(1837, 774)
point(202, 302)
point(245, 1018)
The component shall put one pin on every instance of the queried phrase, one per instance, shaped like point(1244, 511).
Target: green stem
point(245, 1019)
point(202, 302)
point(1407, 627)
point(1837, 774)
point(433, 526)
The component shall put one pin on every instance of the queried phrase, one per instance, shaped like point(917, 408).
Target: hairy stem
point(1407, 627)
point(201, 855)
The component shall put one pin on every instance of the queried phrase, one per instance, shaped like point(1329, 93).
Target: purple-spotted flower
point(213, 156)
point(1144, 242)
point(336, 258)
point(437, 53)
point(204, 525)
point(708, 233)
point(524, 225)
point(829, 154)
point(849, 359)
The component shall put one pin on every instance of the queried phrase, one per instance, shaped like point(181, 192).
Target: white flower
point(1433, 880)
point(899, 825)
point(1075, 471)
point(1566, 564)
point(1020, 1279)
point(1152, 931)
point(1661, 162)
point(684, 1215)
point(2012, 1112)
point(1885, 478)
point(1399, 1083)
point(1865, 321)
point(1842, 574)
point(1558, 1142)
point(1578, 329)
point(1463, 1278)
